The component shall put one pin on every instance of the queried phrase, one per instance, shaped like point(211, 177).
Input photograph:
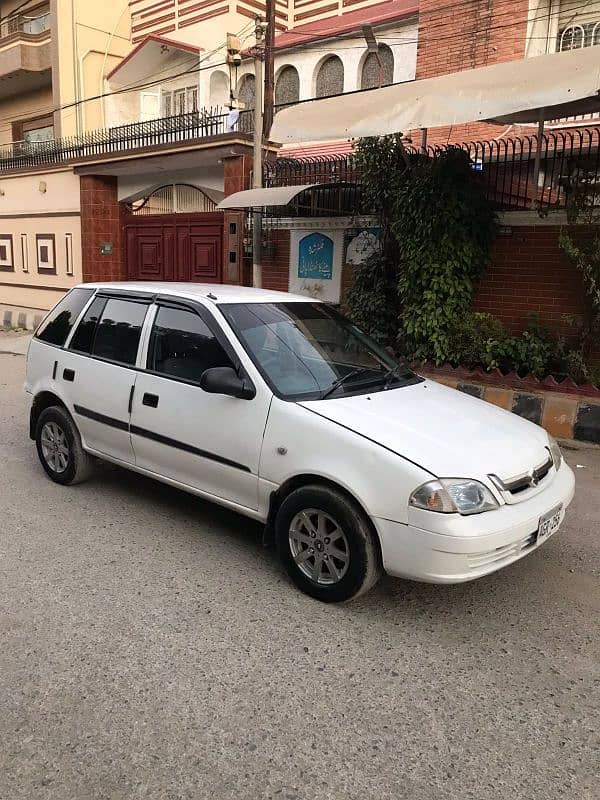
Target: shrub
point(469, 337)
point(372, 302)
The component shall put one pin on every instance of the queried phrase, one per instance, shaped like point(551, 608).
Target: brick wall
point(101, 221)
point(530, 273)
point(465, 35)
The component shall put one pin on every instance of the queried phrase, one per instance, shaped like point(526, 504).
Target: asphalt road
point(150, 648)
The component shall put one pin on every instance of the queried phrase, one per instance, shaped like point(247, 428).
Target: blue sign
point(315, 257)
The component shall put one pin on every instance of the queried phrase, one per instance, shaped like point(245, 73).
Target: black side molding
point(187, 448)
point(157, 437)
point(110, 421)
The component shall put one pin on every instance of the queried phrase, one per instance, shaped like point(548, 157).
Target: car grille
point(512, 488)
point(496, 557)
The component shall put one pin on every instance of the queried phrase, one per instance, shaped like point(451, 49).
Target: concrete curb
point(566, 416)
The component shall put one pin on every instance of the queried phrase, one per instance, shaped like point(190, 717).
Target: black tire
point(363, 567)
point(79, 465)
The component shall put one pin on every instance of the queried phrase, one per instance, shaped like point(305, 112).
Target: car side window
point(58, 323)
point(183, 346)
point(83, 338)
point(118, 332)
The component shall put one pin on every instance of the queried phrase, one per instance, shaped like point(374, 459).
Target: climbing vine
point(580, 240)
point(437, 231)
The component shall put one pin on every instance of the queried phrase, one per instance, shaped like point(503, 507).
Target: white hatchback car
point(279, 408)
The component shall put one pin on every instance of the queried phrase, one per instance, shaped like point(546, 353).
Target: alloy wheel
point(55, 447)
point(319, 547)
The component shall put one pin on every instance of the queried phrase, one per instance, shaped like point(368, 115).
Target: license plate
point(549, 523)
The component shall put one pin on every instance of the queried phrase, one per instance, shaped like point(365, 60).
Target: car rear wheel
point(326, 544)
point(59, 447)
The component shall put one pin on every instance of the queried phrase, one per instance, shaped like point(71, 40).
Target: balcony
point(25, 57)
point(107, 143)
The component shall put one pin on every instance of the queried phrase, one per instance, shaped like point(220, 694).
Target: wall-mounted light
point(42, 187)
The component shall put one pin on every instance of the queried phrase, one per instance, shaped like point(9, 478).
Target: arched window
point(330, 77)
point(287, 87)
point(369, 78)
point(219, 88)
point(572, 38)
point(247, 95)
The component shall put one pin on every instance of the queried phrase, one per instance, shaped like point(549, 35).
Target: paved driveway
point(150, 648)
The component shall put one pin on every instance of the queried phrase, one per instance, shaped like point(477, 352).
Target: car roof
point(221, 293)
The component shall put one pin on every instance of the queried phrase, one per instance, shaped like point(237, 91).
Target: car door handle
point(150, 400)
point(69, 375)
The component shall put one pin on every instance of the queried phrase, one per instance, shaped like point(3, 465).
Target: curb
point(565, 416)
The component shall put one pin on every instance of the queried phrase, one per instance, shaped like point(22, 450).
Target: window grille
point(576, 36)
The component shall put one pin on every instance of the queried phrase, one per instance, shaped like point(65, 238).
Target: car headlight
point(555, 452)
point(453, 495)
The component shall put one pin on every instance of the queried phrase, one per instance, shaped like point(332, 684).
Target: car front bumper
point(488, 541)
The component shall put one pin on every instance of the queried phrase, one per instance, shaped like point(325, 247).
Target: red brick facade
point(101, 221)
point(464, 35)
point(530, 273)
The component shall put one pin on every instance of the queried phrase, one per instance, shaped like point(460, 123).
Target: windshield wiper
point(340, 381)
point(399, 372)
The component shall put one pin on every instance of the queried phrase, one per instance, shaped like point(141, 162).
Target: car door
point(102, 356)
point(206, 441)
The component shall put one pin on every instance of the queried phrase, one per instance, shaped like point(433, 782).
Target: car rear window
point(58, 323)
point(119, 330)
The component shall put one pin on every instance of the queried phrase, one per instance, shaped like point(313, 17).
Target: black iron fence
point(568, 160)
point(122, 138)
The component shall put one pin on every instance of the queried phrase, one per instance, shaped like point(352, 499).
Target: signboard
point(315, 257)
point(363, 246)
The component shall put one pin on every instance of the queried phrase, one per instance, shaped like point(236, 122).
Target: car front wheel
point(59, 447)
point(327, 544)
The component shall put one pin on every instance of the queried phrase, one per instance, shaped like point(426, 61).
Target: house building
point(116, 147)
point(479, 33)
point(118, 170)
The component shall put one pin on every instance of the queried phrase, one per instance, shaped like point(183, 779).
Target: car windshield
point(310, 351)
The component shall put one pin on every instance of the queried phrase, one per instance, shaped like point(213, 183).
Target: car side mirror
point(225, 380)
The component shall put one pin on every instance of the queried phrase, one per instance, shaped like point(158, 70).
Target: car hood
point(447, 432)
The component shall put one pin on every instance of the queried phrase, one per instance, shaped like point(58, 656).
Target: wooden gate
point(175, 247)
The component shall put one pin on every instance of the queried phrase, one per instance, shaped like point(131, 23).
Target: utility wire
point(196, 68)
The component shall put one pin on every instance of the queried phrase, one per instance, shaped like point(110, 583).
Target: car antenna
point(212, 296)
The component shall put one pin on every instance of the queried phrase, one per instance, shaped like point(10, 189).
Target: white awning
point(555, 85)
point(261, 198)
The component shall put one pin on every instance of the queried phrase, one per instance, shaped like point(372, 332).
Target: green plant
point(468, 337)
point(372, 300)
point(580, 240)
point(527, 354)
point(445, 227)
point(437, 229)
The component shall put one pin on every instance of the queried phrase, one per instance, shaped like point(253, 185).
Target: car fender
point(299, 442)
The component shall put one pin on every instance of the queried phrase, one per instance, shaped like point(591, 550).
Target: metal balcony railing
point(122, 138)
point(569, 159)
